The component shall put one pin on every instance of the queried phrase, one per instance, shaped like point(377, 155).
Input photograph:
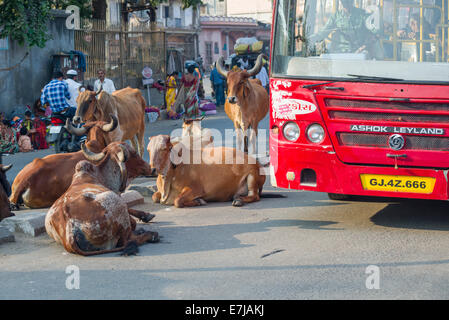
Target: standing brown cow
point(126, 104)
point(247, 103)
point(90, 217)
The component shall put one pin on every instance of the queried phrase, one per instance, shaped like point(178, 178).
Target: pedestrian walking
point(218, 82)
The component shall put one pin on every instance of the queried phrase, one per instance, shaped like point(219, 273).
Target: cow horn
point(220, 69)
point(6, 168)
point(123, 154)
point(258, 65)
point(92, 156)
point(73, 130)
point(112, 125)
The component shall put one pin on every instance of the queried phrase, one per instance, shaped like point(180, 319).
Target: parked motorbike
point(63, 140)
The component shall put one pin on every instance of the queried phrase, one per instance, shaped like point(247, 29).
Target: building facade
point(219, 35)
point(22, 76)
point(181, 27)
point(260, 10)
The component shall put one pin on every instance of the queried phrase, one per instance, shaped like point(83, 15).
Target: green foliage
point(25, 21)
point(84, 5)
point(191, 3)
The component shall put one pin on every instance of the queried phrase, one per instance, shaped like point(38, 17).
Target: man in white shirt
point(107, 84)
point(263, 77)
point(73, 87)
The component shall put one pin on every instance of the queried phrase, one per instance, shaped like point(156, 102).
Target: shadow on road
point(414, 214)
point(221, 236)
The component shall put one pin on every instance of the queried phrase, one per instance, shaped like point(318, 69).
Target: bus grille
point(390, 105)
point(394, 117)
point(381, 141)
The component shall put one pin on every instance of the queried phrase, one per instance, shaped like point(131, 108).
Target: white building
point(260, 10)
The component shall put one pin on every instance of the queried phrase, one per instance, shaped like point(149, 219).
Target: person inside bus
point(412, 32)
point(347, 31)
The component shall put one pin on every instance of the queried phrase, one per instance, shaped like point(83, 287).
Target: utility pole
point(122, 39)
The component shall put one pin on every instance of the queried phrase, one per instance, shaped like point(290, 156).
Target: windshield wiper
point(362, 77)
point(308, 86)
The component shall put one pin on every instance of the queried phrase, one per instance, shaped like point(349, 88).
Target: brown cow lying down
point(90, 217)
point(40, 183)
point(187, 185)
point(5, 190)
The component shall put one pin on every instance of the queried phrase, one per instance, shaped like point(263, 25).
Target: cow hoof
point(147, 218)
point(237, 203)
point(131, 249)
point(14, 207)
point(200, 202)
point(154, 237)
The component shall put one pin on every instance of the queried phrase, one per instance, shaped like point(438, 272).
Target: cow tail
point(143, 102)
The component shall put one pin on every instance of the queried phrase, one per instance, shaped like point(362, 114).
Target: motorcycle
point(62, 139)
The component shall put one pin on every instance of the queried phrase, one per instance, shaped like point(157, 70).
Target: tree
point(99, 9)
point(84, 5)
point(25, 21)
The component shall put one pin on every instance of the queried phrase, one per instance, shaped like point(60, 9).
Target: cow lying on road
point(5, 190)
point(90, 217)
point(40, 183)
point(187, 185)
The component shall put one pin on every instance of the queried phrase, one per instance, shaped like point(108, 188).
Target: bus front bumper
point(315, 169)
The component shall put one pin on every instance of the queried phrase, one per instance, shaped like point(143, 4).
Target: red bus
point(359, 96)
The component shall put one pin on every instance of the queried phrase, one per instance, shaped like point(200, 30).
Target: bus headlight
point(315, 133)
point(291, 131)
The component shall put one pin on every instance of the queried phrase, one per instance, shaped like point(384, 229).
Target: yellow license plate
point(379, 182)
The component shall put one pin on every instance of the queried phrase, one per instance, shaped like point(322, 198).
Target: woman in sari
point(170, 96)
point(188, 94)
point(40, 133)
point(8, 142)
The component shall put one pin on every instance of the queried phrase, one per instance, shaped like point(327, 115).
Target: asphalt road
point(302, 247)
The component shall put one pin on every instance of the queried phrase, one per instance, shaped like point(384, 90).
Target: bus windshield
point(378, 40)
